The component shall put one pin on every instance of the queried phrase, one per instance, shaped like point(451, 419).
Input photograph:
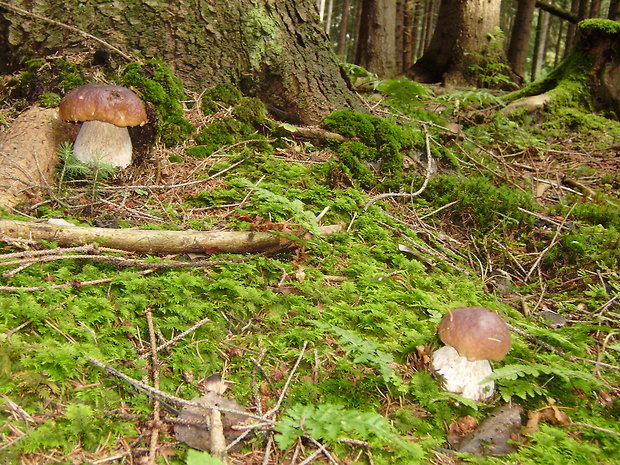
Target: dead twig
point(276, 407)
point(597, 428)
point(76, 284)
point(411, 195)
point(554, 241)
point(155, 375)
point(152, 392)
point(179, 336)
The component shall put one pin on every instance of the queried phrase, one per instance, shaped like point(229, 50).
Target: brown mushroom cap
point(101, 102)
point(476, 333)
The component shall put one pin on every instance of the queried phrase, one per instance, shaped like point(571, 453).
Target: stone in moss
point(226, 95)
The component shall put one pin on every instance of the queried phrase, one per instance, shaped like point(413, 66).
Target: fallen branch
point(159, 242)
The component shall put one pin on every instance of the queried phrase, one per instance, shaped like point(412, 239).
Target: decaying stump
point(28, 154)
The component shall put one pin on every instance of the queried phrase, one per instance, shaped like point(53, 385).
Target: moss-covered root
point(589, 77)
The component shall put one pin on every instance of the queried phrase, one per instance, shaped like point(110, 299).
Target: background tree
point(274, 50)
point(376, 38)
point(520, 37)
point(461, 40)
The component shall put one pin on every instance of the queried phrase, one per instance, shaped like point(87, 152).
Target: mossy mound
point(481, 206)
point(42, 82)
point(158, 85)
point(248, 121)
point(374, 156)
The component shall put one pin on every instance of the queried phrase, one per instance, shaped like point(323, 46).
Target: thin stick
point(155, 375)
point(70, 28)
point(288, 382)
point(429, 166)
point(551, 244)
point(150, 391)
point(179, 336)
point(76, 284)
point(597, 428)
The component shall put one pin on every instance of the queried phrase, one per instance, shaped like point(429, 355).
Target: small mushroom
point(473, 336)
point(106, 111)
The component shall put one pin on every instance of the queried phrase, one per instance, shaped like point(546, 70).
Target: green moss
point(157, 84)
point(560, 119)
point(49, 99)
point(374, 157)
point(225, 94)
point(224, 132)
point(600, 25)
point(261, 35)
point(251, 110)
point(481, 206)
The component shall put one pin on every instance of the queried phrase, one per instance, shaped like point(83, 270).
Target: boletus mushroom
point(107, 111)
point(473, 336)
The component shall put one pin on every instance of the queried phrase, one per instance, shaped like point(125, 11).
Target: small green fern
point(72, 169)
point(520, 379)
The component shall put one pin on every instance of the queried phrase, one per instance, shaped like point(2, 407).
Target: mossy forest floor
point(519, 213)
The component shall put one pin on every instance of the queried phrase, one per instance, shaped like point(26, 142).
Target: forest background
point(396, 159)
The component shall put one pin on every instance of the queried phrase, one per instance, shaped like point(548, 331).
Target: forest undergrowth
point(445, 200)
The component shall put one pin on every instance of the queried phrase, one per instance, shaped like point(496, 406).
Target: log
point(159, 242)
point(28, 154)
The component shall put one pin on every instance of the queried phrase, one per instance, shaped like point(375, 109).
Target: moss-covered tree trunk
point(589, 75)
point(273, 49)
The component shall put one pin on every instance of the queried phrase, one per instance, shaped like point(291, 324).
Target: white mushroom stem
point(99, 142)
point(461, 375)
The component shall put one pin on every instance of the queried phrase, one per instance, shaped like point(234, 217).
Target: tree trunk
point(376, 41)
point(274, 50)
point(572, 28)
point(614, 10)
point(341, 50)
point(595, 9)
point(590, 75)
point(461, 39)
point(540, 47)
point(409, 34)
point(520, 37)
point(28, 155)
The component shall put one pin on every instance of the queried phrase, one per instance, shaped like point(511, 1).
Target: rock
point(492, 437)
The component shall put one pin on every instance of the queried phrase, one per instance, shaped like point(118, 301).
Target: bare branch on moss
point(411, 195)
point(76, 284)
point(160, 242)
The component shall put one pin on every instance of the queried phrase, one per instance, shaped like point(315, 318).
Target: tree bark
point(409, 34)
point(344, 27)
point(157, 242)
point(274, 50)
point(590, 75)
point(376, 41)
point(461, 39)
point(520, 37)
point(540, 48)
point(614, 10)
